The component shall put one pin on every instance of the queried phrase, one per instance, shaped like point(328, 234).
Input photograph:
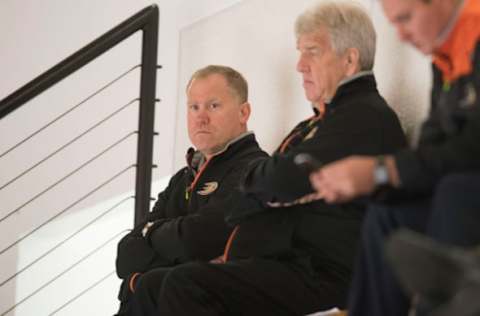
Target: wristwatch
point(380, 172)
point(146, 228)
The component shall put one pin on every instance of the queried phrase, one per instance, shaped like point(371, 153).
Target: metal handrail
point(147, 21)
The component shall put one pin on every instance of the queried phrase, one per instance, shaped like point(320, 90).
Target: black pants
point(451, 216)
point(147, 290)
point(245, 287)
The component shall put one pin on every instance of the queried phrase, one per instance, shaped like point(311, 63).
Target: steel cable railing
point(91, 287)
point(147, 22)
point(51, 250)
point(67, 176)
point(88, 255)
point(66, 209)
point(67, 144)
point(59, 117)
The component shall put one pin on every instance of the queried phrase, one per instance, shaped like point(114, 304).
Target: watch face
point(380, 174)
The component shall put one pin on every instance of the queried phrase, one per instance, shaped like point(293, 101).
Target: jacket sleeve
point(201, 235)
point(134, 254)
point(437, 153)
point(159, 209)
point(278, 179)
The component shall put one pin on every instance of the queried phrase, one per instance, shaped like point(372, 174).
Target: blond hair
point(235, 81)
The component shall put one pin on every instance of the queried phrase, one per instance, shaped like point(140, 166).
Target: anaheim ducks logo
point(208, 188)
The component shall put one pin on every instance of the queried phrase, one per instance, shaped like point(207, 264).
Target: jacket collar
point(364, 82)
point(195, 158)
point(454, 57)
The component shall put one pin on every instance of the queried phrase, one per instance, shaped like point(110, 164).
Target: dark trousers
point(244, 287)
point(451, 216)
point(147, 290)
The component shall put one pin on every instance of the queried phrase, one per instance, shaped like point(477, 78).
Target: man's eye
point(193, 107)
point(214, 105)
point(404, 18)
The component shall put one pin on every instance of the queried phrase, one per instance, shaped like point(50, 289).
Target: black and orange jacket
point(450, 137)
point(315, 238)
point(358, 121)
point(189, 221)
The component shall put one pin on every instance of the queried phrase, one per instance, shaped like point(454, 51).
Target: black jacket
point(189, 224)
point(450, 137)
point(317, 238)
point(358, 121)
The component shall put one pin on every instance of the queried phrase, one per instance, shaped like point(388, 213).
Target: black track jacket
point(450, 137)
point(318, 239)
point(189, 223)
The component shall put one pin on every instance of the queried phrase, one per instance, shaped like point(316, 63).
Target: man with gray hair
point(290, 253)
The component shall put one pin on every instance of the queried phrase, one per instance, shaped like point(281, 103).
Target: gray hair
point(235, 81)
point(348, 25)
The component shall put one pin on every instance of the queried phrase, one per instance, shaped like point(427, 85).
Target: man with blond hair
point(187, 222)
point(293, 255)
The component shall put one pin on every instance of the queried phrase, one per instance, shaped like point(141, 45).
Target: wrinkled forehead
point(318, 38)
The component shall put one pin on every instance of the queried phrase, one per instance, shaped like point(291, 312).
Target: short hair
point(348, 25)
point(235, 80)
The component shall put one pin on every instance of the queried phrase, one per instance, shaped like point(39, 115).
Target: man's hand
point(345, 179)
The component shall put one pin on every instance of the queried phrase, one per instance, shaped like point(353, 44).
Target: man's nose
point(202, 116)
point(403, 34)
point(301, 65)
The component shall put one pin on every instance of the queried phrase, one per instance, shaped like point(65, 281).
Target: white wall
point(256, 37)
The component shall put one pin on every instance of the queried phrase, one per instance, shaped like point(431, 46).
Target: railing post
point(146, 118)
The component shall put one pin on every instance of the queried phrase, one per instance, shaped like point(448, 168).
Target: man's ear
point(352, 60)
point(244, 112)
